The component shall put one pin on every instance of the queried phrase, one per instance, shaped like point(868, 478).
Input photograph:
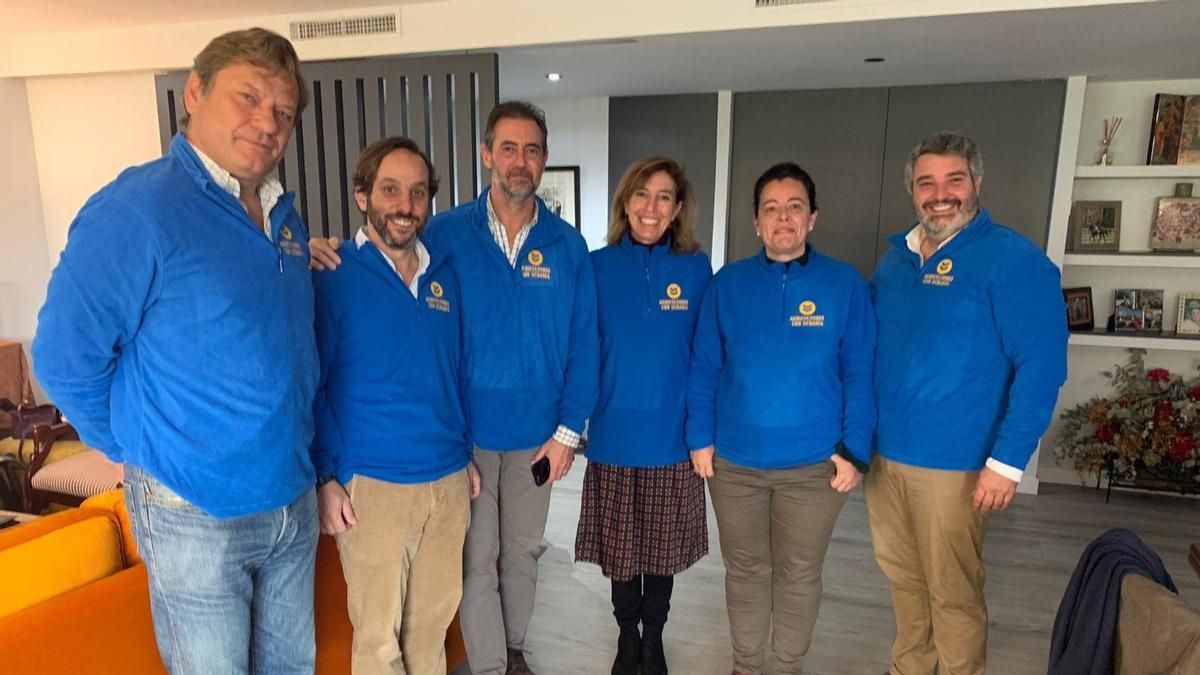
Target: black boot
point(656, 603)
point(627, 605)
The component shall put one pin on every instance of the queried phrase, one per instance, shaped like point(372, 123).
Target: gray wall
point(682, 127)
point(854, 142)
point(837, 136)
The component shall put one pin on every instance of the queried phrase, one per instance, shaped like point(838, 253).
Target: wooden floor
point(1030, 553)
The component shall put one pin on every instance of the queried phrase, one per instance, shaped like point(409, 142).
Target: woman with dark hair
point(781, 412)
point(643, 512)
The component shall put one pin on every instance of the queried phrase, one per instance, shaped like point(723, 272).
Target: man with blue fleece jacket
point(972, 351)
point(532, 360)
point(177, 335)
point(391, 445)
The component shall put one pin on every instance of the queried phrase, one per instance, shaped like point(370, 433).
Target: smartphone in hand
point(541, 471)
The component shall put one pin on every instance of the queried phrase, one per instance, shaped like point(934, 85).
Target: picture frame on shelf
point(1176, 224)
point(1137, 310)
point(1095, 226)
point(1188, 321)
point(1080, 314)
point(1189, 139)
point(1166, 129)
point(560, 191)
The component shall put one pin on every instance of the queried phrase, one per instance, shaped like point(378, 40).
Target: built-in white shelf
point(1166, 341)
point(1138, 171)
point(1133, 259)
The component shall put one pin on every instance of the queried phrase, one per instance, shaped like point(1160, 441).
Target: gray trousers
point(500, 558)
point(775, 527)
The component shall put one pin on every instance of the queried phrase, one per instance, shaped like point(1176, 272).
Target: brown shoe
point(516, 663)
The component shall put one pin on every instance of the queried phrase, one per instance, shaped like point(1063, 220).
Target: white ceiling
point(1143, 41)
point(57, 16)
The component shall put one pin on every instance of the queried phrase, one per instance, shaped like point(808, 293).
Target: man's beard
point(380, 222)
point(514, 193)
point(937, 228)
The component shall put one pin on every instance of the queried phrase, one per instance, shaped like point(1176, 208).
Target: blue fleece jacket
point(782, 363)
point(648, 302)
point(176, 336)
point(390, 405)
point(529, 333)
point(972, 349)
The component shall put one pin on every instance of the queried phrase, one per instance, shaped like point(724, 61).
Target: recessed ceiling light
point(553, 77)
point(873, 59)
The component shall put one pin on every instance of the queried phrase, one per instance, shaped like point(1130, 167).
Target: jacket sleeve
point(857, 363)
point(1029, 312)
point(106, 280)
point(582, 378)
point(327, 444)
point(708, 359)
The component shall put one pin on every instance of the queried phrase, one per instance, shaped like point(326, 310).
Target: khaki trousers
point(929, 542)
point(508, 519)
point(775, 527)
point(403, 567)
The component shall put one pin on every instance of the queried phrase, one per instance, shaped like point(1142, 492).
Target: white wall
point(24, 268)
point(86, 130)
point(579, 136)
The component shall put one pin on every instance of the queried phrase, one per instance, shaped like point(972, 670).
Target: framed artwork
point(1188, 322)
point(1189, 138)
point(1138, 310)
point(1176, 224)
point(1166, 128)
point(1079, 308)
point(1096, 226)
point(560, 191)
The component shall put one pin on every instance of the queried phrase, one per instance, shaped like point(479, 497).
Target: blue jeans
point(228, 596)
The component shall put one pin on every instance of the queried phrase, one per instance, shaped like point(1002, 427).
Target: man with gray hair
point(177, 335)
point(971, 353)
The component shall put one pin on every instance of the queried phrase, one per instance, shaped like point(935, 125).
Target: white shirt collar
point(269, 191)
point(361, 238)
point(917, 235)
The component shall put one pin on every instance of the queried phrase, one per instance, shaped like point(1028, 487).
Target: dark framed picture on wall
point(1096, 226)
point(560, 191)
point(1080, 315)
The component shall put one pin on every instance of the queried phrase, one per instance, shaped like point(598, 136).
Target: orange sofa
point(85, 607)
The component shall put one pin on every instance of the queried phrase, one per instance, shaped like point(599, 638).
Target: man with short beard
point(391, 449)
point(531, 375)
point(971, 353)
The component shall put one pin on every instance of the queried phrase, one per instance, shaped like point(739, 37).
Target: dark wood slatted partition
point(440, 102)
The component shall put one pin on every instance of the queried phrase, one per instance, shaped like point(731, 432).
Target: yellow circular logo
point(808, 308)
point(436, 289)
point(945, 266)
point(674, 291)
point(535, 257)
point(286, 233)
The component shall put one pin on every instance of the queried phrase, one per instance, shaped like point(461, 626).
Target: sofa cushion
point(114, 500)
point(60, 560)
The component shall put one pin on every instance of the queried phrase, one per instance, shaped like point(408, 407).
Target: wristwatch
point(322, 480)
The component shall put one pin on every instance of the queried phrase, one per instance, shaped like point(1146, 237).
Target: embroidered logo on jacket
point(943, 276)
point(535, 269)
point(807, 316)
point(674, 302)
point(434, 300)
point(286, 244)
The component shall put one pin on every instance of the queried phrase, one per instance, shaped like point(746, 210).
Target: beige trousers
point(775, 527)
point(929, 542)
point(403, 567)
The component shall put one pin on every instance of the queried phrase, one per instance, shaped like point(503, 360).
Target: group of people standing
point(435, 380)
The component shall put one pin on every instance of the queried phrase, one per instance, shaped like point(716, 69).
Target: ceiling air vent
point(781, 3)
point(380, 24)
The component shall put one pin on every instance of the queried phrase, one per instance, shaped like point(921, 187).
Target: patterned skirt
point(641, 521)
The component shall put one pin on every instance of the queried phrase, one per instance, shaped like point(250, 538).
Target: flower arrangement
point(1149, 430)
